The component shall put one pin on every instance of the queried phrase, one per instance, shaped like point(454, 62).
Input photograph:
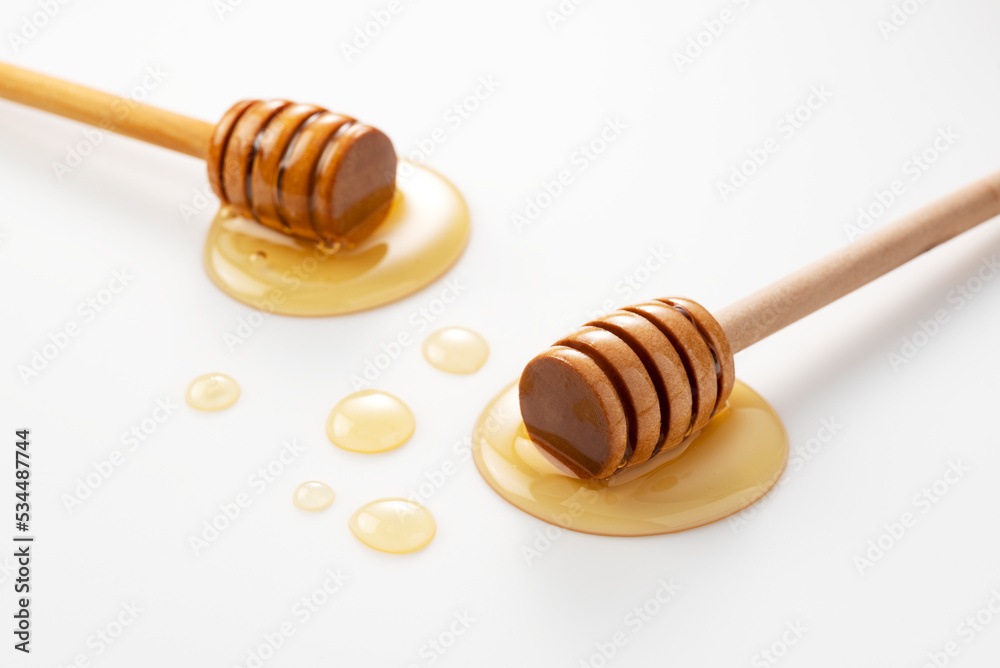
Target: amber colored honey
point(730, 464)
point(424, 234)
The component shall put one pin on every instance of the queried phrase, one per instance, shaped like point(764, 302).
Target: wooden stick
point(298, 169)
point(639, 380)
point(778, 305)
point(105, 111)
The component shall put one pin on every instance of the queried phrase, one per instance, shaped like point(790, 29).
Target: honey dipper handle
point(105, 111)
point(778, 305)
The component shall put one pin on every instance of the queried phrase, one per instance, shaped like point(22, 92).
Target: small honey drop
point(393, 525)
point(734, 461)
point(370, 421)
point(456, 350)
point(313, 495)
point(423, 235)
point(212, 392)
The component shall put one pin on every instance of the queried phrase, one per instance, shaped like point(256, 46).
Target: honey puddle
point(313, 495)
point(393, 525)
point(425, 233)
point(730, 464)
point(370, 421)
point(456, 350)
point(212, 392)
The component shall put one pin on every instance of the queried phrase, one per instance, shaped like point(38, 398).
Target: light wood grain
point(778, 305)
point(106, 111)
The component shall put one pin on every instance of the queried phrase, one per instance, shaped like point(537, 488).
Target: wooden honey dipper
point(296, 168)
point(641, 379)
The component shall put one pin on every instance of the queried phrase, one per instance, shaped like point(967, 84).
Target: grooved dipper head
point(572, 411)
point(627, 386)
point(302, 170)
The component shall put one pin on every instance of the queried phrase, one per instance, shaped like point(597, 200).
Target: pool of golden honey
point(313, 495)
point(456, 350)
point(370, 421)
point(212, 392)
point(423, 236)
point(729, 465)
point(393, 525)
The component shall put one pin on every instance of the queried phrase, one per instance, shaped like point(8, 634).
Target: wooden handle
point(296, 168)
point(105, 111)
point(778, 305)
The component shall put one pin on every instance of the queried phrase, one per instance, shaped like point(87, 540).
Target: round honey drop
point(425, 232)
point(212, 392)
point(370, 421)
point(313, 495)
point(734, 461)
point(456, 350)
point(393, 525)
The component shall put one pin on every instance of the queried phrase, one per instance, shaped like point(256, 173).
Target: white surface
point(793, 561)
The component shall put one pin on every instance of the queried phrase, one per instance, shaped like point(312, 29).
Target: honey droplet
point(393, 525)
point(370, 421)
point(212, 392)
point(734, 461)
point(313, 495)
point(456, 350)
point(424, 234)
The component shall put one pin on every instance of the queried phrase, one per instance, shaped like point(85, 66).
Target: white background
point(792, 560)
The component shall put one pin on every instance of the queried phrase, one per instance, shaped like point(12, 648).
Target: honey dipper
point(296, 168)
point(641, 379)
